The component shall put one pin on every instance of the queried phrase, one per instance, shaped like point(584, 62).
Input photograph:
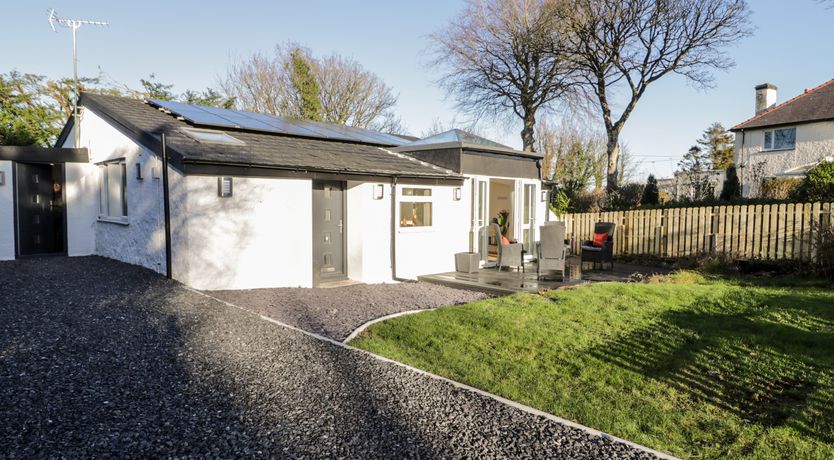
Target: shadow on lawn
point(765, 358)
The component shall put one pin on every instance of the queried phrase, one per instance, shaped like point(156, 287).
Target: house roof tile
point(815, 104)
point(259, 149)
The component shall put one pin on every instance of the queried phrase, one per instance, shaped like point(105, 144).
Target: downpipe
point(394, 231)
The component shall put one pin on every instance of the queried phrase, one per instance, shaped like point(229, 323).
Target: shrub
point(823, 244)
point(626, 197)
point(818, 185)
point(587, 201)
point(779, 189)
point(651, 194)
point(560, 202)
point(732, 187)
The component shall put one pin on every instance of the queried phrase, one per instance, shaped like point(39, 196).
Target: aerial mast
point(73, 24)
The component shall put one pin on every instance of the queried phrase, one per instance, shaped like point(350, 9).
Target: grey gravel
point(99, 358)
point(335, 312)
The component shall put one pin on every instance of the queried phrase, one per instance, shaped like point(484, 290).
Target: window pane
point(414, 214)
point(528, 203)
point(481, 201)
point(768, 141)
point(124, 188)
point(416, 192)
point(115, 192)
point(102, 191)
point(784, 138)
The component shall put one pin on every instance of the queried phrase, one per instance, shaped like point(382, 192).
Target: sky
point(191, 43)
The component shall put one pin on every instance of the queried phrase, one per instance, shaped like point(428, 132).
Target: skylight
point(211, 137)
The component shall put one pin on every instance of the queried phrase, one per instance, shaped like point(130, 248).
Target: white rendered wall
point(141, 240)
point(81, 194)
point(260, 237)
point(7, 251)
point(368, 233)
point(814, 141)
point(427, 250)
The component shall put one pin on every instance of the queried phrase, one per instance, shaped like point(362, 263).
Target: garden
point(694, 364)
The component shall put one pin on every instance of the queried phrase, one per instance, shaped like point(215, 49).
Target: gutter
point(439, 179)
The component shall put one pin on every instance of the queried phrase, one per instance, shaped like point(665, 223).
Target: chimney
point(765, 97)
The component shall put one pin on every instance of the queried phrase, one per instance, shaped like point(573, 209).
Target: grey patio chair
point(509, 255)
point(550, 252)
point(605, 253)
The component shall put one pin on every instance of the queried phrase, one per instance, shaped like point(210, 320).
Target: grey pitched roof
point(814, 104)
point(456, 138)
point(144, 122)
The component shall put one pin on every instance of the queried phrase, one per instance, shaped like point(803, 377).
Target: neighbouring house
point(784, 140)
point(682, 185)
point(260, 201)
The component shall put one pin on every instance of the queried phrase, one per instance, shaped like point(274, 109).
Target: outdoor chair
point(509, 255)
point(600, 254)
point(550, 252)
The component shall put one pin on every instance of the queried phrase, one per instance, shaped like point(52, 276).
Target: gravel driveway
point(335, 312)
point(98, 358)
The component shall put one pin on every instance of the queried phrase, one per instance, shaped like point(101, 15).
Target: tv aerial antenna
point(74, 25)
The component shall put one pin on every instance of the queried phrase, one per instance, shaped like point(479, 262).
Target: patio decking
point(510, 281)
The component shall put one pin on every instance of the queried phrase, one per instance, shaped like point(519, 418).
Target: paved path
point(98, 358)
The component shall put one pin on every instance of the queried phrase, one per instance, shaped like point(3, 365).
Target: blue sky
point(190, 43)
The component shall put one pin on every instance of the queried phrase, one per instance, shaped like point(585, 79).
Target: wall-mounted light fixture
point(139, 171)
point(2, 177)
point(544, 196)
point(379, 191)
point(224, 187)
point(457, 193)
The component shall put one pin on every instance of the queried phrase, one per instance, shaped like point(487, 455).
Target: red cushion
point(599, 239)
point(505, 241)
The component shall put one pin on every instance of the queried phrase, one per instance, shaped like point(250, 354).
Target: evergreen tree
point(154, 89)
point(695, 167)
point(307, 87)
point(26, 116)
point(719, 145)
point(651, 193)
point(732, 187)
point(209, 97)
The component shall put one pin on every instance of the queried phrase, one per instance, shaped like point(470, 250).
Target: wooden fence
point(763, 231)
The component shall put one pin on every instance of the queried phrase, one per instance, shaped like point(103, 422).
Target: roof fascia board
point(466, 146)
point(778, 125)
point(44, 154)
point(205, 168)
point(141, 137)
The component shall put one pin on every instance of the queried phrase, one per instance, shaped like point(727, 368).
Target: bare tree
point(573, 153)
point(504, 56)
point(629, 44)
point(349, 94)
point(628, 164)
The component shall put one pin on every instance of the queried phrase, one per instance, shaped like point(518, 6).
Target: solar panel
point(227, 118)
point(193, 113)
point(239, 118)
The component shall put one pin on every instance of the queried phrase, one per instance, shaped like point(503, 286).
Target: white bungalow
point(260, 201)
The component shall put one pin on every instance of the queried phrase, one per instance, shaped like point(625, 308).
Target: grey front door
point(40, 209)
point(328, 230)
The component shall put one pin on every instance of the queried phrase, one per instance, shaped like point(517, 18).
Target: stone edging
point(370, 323)
point(508, 402)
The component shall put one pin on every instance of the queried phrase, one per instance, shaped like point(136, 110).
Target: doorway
point(40, 210)
point(328, 231)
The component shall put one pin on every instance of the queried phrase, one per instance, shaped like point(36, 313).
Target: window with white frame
point(780, 139)
point(416, 207)
point(112, 190)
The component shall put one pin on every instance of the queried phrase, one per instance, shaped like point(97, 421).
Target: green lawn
point(697, 367)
